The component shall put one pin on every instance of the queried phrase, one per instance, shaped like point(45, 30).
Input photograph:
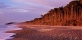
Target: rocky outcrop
point(70, 15)
point(10, 23)
point(80, 1)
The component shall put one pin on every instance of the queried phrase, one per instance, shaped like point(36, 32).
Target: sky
point(24, 10)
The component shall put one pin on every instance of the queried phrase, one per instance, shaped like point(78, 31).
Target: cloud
point(18, 14)
point(1, 12)
point(2, 5)
point(21, 10)
point(2, 39)
point(49, 3)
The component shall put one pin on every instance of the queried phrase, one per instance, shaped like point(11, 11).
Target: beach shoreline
point(34, 32)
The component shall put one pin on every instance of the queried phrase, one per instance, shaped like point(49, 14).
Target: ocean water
point(4, 28)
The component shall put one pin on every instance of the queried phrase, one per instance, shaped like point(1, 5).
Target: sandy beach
point(38, 32)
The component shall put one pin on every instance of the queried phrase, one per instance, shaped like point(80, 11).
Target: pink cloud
point(50, 3)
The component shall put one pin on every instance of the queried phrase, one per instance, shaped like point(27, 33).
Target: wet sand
point(47, 33)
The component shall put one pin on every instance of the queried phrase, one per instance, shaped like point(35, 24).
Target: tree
point(42, 15)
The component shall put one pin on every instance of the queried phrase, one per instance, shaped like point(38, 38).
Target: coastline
point(32, 32)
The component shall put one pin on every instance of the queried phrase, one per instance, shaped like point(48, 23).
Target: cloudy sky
point(22, 10)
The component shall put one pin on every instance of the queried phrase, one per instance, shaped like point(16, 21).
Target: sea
point(4, 28)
